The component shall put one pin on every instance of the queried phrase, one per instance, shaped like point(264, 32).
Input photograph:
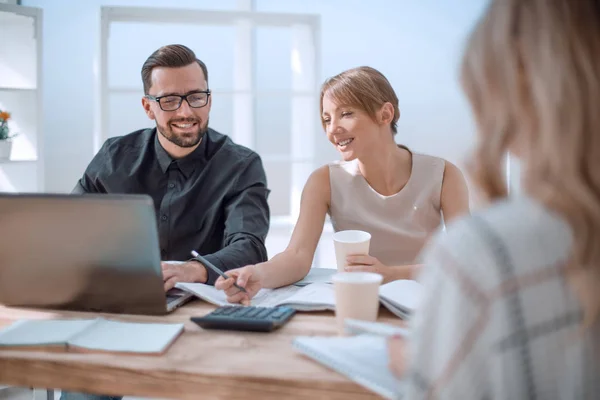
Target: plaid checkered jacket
point(499, 320)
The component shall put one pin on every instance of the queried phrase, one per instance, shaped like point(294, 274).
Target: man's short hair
point(171, 56)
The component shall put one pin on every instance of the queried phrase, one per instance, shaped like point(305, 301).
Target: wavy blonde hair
point(531, 72)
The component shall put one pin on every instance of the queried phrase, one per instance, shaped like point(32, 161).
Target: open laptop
point(82, 252)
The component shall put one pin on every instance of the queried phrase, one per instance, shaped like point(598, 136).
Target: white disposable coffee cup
point(356, 296)
point(350, 243)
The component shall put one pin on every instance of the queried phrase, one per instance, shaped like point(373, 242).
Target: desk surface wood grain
point(201, 363)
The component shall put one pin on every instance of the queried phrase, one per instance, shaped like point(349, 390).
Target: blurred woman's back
point(513, 292)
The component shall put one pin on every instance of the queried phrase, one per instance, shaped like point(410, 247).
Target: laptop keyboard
point(171, 298)
point(174, 294)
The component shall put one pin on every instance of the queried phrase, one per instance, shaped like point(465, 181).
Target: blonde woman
point(398, 196)
point(512, 304)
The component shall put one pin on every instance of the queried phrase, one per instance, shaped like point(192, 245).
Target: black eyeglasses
point(172, 102)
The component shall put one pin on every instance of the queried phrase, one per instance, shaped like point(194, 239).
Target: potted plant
point(5, 136)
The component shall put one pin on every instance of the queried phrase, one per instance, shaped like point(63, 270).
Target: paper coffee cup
point(350, 243)
point(356, 297)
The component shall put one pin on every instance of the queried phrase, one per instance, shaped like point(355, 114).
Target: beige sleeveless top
point(399, 224)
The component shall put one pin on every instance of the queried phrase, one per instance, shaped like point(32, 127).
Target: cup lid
point(357, 277)
point(351, 236)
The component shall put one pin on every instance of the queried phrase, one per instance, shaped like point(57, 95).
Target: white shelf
point(16, 89)
point(18, 161)
point(21, 96)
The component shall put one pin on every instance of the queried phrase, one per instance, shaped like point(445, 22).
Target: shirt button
point(171, 185)
point(164, 217)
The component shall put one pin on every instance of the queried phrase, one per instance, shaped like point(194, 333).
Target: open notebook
point(314, 297)
point(361, 358)
point(90, 335)
point(317, 275)
point(400, 297)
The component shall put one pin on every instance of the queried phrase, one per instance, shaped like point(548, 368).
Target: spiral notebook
point(361, 358)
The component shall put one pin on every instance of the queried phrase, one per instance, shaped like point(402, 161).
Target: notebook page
point(264, 297)
point(403, 294)
point(317, 275)
point(274, 297)
point(316, 296)
point(398, 312)
point(357, 327)
point(116, 336)
point(302, 298)
point(361, 358)
point(42, 332)
point(205, 292)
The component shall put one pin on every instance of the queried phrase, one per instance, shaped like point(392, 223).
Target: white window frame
point(307, 45)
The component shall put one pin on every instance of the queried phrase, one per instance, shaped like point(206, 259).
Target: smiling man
point(209, 193)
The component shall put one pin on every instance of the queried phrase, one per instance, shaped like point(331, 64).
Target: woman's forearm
point(284, 269)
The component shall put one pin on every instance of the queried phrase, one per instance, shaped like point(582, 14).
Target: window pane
point(279, 181)
point(17, 57)
point(273, 125)
point(273, 58)
point(325, 152)
point(221, 114)
point(126, 114)
point(214, 45)
point(325, 257)
point(277, 239)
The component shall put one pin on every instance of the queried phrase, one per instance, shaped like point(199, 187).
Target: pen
point(207, 263)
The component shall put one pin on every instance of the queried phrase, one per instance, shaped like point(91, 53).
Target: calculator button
point(244, 311)
point(254, 313)
point(219, 311)
point(264, 313)
point(229, 310)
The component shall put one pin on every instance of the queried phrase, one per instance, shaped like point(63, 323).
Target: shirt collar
point(188, 164)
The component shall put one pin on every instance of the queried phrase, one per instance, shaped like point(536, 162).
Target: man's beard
point(183, 140)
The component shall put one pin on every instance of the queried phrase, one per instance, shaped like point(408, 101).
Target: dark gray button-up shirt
point(213, 201)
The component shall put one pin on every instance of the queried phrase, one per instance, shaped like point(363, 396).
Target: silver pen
point(208, 264)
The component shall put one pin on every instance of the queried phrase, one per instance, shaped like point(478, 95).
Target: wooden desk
point(200, 364)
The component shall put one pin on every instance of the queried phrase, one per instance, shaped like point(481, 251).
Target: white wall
point(416, 44)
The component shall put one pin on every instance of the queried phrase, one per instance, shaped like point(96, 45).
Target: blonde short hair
point(364, 88)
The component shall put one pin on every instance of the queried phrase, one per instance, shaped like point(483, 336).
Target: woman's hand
point(372, 264)
point(362, 263)
point(246, 277)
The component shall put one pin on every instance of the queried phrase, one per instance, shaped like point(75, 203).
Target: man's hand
point(246, 277)
point(191, 271)
point(397, 355)
point(361, 263)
